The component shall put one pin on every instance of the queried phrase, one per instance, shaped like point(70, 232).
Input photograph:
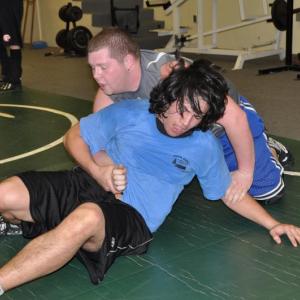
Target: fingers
point(238, 188)
point(293, 240)
point(234, 194)
point(294, 235)
point(292, 232)
point(119, 177)
point(277, 239)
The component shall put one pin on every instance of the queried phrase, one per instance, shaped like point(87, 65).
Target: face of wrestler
point(110, 74)
point(176, 124)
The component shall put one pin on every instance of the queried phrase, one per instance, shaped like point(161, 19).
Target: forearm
point(237, 129)
point(111, 177)
point(77, 148)
point(242, 143)
point(253, 211)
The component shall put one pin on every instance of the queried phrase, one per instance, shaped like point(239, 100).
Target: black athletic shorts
point(11, 13)
point(54, 195)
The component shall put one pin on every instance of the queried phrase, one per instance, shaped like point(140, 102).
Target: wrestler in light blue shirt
point(158, 166)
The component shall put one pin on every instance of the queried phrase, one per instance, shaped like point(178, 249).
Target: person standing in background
point(11, 13)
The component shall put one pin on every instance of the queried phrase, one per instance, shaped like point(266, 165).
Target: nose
point(187, 118)
point(97, 72)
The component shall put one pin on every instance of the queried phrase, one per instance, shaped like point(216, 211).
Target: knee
point(11, 192)
point(88, 220)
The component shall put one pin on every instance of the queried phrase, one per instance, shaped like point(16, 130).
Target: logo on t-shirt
point(180, 162)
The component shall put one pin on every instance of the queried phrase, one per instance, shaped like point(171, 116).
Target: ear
point(129, 61)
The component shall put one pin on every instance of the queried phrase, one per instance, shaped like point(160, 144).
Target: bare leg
point(14, 200)
point(52, 250)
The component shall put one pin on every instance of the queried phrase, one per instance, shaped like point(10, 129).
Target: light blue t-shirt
point(158, 166)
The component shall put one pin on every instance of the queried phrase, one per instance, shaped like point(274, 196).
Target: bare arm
point(110, 176)
point(101, 100)
point(237, 129)
point(253, 211)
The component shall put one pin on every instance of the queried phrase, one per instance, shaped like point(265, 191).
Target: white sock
point(1, 290)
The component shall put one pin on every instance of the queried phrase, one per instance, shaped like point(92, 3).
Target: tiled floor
point(203, 251)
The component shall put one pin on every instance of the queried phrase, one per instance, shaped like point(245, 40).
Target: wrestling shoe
point(9, 229)
point(9, 87)
point(285, 157)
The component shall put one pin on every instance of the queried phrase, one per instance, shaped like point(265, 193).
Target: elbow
point(69, 135)
point(226, 201)
point(65, 139)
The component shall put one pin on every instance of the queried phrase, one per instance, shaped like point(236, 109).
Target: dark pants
point(11, 13)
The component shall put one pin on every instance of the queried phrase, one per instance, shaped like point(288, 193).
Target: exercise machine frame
point(242, 54)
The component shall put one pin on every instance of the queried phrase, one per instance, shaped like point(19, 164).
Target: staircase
point(125, 17)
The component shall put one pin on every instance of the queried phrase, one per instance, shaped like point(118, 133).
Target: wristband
point(274, 226)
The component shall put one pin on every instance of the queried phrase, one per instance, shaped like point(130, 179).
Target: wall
point(228, 14)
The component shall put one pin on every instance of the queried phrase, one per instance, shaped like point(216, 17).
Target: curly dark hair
point(200, 79)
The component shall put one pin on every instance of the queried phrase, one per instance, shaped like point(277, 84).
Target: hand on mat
point(119, 177)
point(292, 232)
point(240, 185)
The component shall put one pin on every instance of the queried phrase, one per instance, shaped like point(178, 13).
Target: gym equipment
point(279, 14)
point(125, 18)
point(74, 41)
point(78, 39)
point(153, 3)
point(61, 38)
point(289, 11)
point(70, 13)
point(39, 45)
point(196, 43)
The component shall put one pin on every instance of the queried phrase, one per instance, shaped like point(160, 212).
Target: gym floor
point(203, 250)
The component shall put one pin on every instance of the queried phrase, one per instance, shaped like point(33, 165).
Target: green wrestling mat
point(203, 250)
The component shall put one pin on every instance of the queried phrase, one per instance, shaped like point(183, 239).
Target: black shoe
point(285, 157)
point(9, 87)
point(8, 228)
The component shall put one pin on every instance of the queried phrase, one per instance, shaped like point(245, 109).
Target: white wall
point(296, 32)
point(228, 14)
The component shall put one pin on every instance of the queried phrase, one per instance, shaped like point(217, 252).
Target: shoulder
point(232, 91)
point(131, 104)
point(207, 143)
point(118, 115)
point(128, 108)
point(151, 59)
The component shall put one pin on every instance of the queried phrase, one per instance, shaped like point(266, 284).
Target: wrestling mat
point(203, 250)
